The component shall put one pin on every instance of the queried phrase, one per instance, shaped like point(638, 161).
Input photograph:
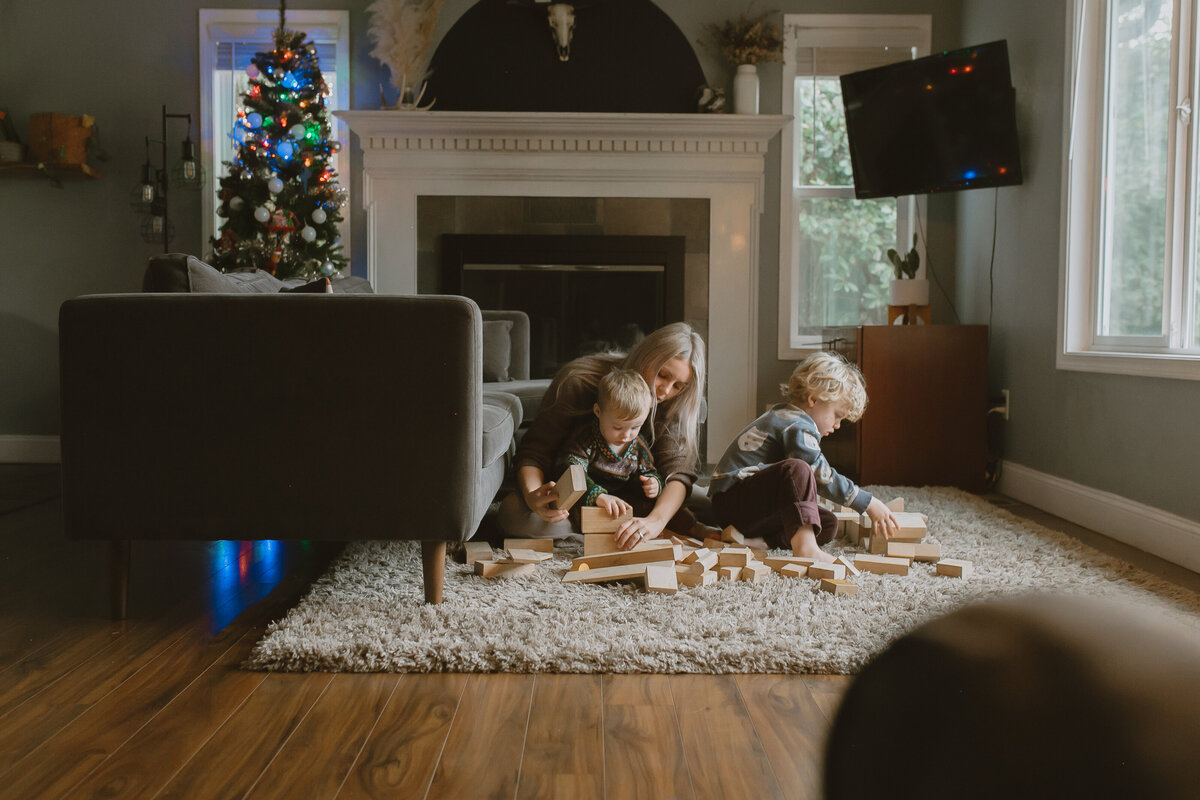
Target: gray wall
point(1135, 437)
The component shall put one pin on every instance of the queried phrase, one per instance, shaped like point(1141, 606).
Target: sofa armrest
point(518, 369)
point(267, 416)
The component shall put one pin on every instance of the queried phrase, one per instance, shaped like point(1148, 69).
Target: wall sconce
point(149, 195)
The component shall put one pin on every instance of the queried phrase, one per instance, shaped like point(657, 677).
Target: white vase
point(745, 89)
point(908, 292)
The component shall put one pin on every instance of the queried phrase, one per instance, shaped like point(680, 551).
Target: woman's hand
point(613, 506)
point(882, 518)
point(541, 502)
point(650, 485)
point(635, 531)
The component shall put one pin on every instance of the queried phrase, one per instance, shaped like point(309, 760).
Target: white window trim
point(790, 347)
point(1081, 212)
point(222, 24)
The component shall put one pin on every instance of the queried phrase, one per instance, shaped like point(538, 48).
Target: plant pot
point(745, 89)
point(908, 292)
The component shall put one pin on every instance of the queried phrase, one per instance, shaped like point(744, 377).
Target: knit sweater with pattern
point(609, 472)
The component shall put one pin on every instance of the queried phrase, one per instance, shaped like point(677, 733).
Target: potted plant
point(745, 41)
point(907, 289)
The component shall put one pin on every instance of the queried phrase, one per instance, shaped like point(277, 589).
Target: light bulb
point(189, 170)
point(156, 224)
point(147, 192)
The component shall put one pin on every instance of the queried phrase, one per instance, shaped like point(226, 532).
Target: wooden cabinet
point(926, 417)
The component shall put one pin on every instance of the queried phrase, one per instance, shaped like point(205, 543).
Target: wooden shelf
point(24, 169)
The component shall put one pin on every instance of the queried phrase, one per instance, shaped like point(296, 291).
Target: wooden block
point(847, 524)
point(734, 556)
point(703, 579)
point(503, 569)
point(836, 571)
point(661, 578)
point(912, 527)
point(729, 573)
point(639, 555)
point(520, 556)
point(837, 586)
point(777, 563)
point(540, 545)
point(927, 551)
point(877, 545)
point(758, 553)
point(896, 504)
point(597, 520)
point(905, 550)
point(882, 565)
point(708, 561)
point(755, 573)
point(571, 486)
point(848, 564)
point(714, 544)
point(690, 569)
point(689, 541)
point(620, 572)
point(732, 535)
point(793, 570)
point(596, 543)
point(696, 555)
point(478, 551)
point(955, 568)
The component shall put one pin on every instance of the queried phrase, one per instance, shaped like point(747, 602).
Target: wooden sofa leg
point(433, 567)
point(119, 578)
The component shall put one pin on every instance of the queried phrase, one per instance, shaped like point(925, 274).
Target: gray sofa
point(218, 411)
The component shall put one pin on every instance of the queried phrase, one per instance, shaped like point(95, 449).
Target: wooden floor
point(157, 707)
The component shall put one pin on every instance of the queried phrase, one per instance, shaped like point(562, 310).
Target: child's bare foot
point(804, 543)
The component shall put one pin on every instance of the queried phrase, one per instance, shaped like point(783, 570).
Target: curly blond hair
point(624, 394)
point(826, 376)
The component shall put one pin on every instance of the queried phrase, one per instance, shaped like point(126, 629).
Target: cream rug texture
point(366, 614)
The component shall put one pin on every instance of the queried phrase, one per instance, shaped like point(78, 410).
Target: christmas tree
point(280, 198)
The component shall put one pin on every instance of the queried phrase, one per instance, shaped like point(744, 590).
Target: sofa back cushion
point(179, 272)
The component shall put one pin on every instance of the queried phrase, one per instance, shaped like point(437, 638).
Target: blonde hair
point(827, 377)
point(624, 394)
point(678, 417)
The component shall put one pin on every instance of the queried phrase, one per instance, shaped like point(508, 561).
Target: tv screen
point(941, 123)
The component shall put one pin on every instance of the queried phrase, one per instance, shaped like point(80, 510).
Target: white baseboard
point(1165, 535)
point(29, 450)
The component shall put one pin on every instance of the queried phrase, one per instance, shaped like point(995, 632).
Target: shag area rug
point(366, 614)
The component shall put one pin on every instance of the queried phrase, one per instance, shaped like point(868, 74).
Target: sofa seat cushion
point(501, 417)
point(528, 392)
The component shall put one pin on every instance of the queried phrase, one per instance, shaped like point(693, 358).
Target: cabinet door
point(926, 417)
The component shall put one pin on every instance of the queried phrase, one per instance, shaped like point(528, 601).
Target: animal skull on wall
point(562, 24)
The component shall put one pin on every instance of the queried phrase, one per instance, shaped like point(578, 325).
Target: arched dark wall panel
point(626, 56)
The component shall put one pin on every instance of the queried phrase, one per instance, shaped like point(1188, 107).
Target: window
point(1131, 288)
point(228, 40)
point(833, 267)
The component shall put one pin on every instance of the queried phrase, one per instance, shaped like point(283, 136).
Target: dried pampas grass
point(403, 31)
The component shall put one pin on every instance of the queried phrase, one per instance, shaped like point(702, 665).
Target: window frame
point(1081, 347)
point(846, 30)
point(326, 26)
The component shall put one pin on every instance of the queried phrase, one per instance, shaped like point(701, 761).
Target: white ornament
point(297, 131)
point(236, 203)
point(318, 215)
point(274, 186)
point(262, 214)
point(308, 233)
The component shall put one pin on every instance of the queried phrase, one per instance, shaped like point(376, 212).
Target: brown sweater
point(569, 401)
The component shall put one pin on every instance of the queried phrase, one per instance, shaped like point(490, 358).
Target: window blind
point(237, 55)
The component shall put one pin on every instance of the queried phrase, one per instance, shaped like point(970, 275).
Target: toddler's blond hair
point(826, 376)
point(624, 394)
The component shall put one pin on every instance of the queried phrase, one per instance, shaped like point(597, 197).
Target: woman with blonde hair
point(672, 361)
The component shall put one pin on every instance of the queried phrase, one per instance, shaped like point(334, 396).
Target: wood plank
point(146, 761)
point(791, 727)
point(491, 719)
point(76, 643)
point(399, 756)
point(827, 690)
point(643, 752)
point(714, 720)
point(306, 765)
point(564, 748)
point(231, 761)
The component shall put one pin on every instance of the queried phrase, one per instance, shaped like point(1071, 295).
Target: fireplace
point(583, 293)
point(414, 157)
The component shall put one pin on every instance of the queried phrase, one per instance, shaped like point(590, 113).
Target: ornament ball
point(236, 203)
point(318, 215)
point(261, 214)
point(275, 186)
point(308, 233)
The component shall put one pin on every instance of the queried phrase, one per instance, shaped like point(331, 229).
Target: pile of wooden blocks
point(894, 555)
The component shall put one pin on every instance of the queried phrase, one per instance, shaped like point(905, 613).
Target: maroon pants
point(774, 502)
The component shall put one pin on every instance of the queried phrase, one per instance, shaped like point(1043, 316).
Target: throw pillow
point(497, 350)
point(319, 286)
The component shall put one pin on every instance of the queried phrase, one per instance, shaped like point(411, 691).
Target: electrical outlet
point(1007, 401)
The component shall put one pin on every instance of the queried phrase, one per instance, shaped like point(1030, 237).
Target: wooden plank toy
point(477, 551)
point(835, 571)
point(882, 565)
point(734, 556)
point(571, 486)
point(596, 543)
point(912, 527)
point(905, 550)
point(927, 551)
point(661, 578)
point(620, 572)
point(703, 579)
point(520, 556)
point(729, 573)
point(838, 587)
point(848, 525)
point(596, 520)
point(541, 545)
point(639, 555)
point(732, 535)
point(850, 568)
point(955, 568)
point(793, 570)
point(896, 504)
point(503, 569)
point(777, 563)
point(755, 573)
point(709, 560)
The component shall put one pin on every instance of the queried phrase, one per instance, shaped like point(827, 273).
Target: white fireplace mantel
point(411, 154)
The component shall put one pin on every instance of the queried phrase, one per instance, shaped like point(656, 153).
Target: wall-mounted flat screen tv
point(945, 122)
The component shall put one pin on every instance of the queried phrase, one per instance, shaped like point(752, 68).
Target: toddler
point(768, 481)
